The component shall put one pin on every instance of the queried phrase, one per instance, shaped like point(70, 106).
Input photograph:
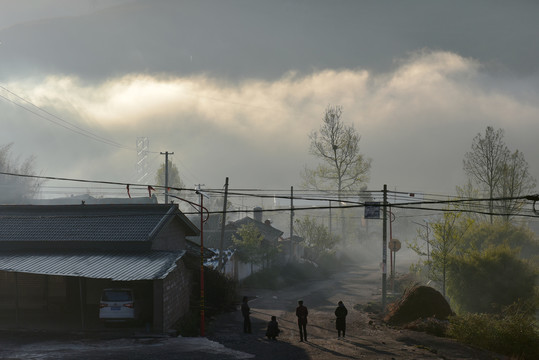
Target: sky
point(234, 87)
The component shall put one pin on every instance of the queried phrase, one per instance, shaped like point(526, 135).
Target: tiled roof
point(120, 266)
point(107, 223)
point(212, 236)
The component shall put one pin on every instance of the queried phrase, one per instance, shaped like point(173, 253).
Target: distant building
point(232, 266)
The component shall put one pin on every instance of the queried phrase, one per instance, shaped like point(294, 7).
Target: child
point(273, 329)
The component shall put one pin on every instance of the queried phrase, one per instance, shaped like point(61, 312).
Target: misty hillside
point(236, 38)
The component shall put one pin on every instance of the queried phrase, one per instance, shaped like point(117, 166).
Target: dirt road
point(358, 285)
point(225, 340)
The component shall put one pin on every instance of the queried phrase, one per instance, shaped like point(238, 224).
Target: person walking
point(245, 312)
point(341, 313)
point(301, 313)
point(273, 329)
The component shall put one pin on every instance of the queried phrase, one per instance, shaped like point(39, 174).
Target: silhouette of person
point(273, 328)
point(341, 313)
point(245, 312)
point(301, 313)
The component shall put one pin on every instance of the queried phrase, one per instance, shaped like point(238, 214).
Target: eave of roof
point(88, 222)
point(119, 266)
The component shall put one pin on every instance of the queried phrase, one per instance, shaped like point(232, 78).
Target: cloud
point(416, 122)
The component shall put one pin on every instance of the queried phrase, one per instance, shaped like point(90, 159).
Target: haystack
point(419, 302)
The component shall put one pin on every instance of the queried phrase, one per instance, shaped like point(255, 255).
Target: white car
point(118, 305)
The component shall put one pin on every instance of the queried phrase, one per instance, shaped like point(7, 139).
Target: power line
point(59, 121)
point(416, 205)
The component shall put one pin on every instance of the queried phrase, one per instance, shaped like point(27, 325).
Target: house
point(215, 239)
point(55, 260)
point(292, 248)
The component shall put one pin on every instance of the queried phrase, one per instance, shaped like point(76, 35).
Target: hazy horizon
point(234, 87)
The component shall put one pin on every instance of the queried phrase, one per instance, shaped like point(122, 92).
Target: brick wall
point(176, 291)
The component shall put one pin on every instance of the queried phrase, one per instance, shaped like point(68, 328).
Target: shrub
point(485, 282)
point(513, 333)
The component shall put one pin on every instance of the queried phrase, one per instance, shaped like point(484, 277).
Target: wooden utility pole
point(384, 250)
point(166, 153)
point(202, 305)
point(223, 222)
point(291, 221)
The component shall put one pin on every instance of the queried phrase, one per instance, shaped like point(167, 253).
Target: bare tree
point(516, 182)
point(16, 189)
point(485, 163)
point(494, 169)
point(342, 166)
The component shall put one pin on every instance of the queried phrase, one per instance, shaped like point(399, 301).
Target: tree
point(487, 281)
point(483, 236)
point(446, 241)
point(316, 237)
point(516, 182)
point(174, 180)
point(16, 189)
point(337, 146)
point(342, 167)
point(249, 245)
point(494, 169)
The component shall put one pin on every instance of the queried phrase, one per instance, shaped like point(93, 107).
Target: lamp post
point(202, 221)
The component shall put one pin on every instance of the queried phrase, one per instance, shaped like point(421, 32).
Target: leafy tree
point(316, 237)
point(502, 174)
point(445, 241)
point(15, 189)
point(487, 281)
point(249, 244)
point(483, 236)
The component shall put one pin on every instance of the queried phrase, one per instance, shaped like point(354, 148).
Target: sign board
point(372, 210)
point(394, 245)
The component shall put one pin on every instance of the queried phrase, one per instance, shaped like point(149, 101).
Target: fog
point(234, 88)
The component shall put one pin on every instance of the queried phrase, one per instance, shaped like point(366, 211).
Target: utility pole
point(384, 250)
point(202, 305)
point(223, 222)
point(291, 221)
point(166, 153)
point(330, 229)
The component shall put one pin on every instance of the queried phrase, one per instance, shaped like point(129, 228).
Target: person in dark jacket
point(341, 313)
point(301, 313)
point(245, 312)
point(273, 328)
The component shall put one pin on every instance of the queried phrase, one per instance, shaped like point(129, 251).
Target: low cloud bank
point(416, 122)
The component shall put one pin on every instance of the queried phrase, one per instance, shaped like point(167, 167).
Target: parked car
point(118, 305)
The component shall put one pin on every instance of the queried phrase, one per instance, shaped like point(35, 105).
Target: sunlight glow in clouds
point(432, 102)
